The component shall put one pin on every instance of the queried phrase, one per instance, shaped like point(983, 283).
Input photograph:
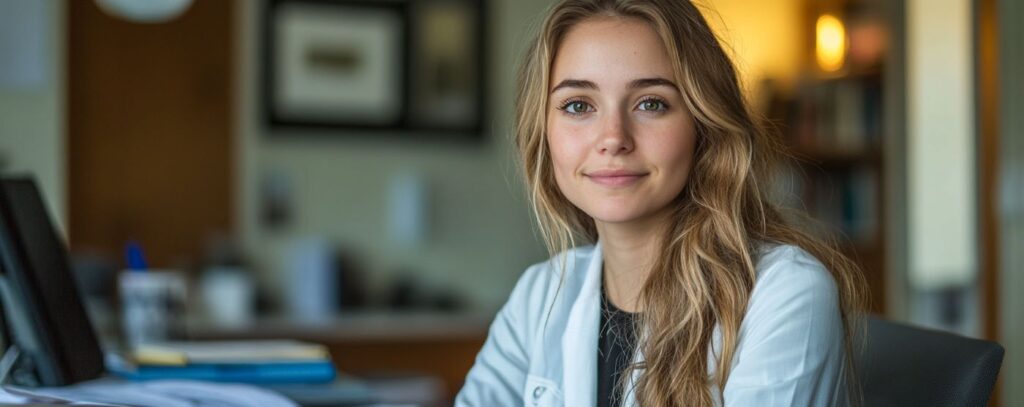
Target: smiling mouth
point(615, 178)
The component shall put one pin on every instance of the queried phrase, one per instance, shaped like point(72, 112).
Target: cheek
point(675, 152)
point(678, 150)
point(567, 152)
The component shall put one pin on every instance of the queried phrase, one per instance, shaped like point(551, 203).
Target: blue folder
point(256, 373)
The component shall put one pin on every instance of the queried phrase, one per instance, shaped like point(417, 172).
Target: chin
point(616, 213)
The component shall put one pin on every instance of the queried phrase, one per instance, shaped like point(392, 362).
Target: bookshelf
point(835, 125)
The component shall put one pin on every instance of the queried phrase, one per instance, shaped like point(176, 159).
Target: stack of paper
point(263, 362)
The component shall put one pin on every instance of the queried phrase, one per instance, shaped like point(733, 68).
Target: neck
point(630, 250)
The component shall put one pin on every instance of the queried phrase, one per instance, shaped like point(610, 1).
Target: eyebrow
point(635, 84)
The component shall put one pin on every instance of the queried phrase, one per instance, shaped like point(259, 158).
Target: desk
point(424, 391)
point(378, 346)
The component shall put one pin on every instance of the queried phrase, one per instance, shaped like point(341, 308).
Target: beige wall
point(32, 120)
point(765, 37)
point(480, 236)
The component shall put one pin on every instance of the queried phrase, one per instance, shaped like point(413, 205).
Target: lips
point(615, 177)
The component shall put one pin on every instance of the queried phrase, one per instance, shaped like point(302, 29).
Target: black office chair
point(906, 366)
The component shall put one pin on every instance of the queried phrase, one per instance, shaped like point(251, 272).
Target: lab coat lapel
point(579, 342)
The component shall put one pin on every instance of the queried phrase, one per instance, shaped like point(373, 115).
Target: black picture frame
point(436, 87)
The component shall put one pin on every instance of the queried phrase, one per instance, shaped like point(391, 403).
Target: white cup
point(152, 305)
point(228, 295)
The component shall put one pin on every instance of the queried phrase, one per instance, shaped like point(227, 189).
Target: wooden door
point(150, 119)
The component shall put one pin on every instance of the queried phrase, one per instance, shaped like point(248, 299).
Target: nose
point(615, 136)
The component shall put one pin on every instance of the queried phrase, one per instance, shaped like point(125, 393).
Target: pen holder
point(152, 306)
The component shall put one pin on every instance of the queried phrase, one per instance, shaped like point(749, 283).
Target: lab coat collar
point(579, 342)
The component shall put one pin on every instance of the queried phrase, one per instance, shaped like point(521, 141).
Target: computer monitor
point(45, 315)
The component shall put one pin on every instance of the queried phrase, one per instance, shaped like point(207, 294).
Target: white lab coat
point(542, 346)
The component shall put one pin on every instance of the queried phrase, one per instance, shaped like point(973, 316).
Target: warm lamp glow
point(831, 43)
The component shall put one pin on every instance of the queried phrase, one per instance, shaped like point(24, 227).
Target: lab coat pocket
point(541, 392)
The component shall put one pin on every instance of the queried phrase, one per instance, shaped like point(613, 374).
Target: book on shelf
point(840, 115)
point(847, 203)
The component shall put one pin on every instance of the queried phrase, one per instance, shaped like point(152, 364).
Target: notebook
point(227, 352)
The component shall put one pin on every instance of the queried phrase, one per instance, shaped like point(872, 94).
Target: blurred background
point(342, 172)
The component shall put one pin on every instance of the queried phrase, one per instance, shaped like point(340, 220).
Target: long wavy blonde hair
point(707, 270)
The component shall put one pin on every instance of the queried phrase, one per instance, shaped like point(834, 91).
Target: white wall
point(32, 107)
point(480, 236)
point(941, 142)
point(941, 169)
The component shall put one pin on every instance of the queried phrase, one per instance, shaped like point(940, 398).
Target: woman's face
point(620, 136)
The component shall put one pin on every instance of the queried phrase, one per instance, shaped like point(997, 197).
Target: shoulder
point(794, 295)
point(564, 268)
point(784, 269)
point(791, 338)
point(546, 290)
point(571, 261)
point(792, 287)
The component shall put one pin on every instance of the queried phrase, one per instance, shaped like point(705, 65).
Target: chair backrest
point(906, 366)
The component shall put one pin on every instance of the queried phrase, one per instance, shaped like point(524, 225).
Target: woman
point(635, 138)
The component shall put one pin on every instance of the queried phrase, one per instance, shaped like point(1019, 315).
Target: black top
point(616, 342)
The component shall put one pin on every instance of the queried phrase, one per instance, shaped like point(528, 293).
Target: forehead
point(611, 50)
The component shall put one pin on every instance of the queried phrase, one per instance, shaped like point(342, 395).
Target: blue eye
point(652, 104)
point(576, 107)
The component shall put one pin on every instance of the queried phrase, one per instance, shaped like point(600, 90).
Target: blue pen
point(134, 257)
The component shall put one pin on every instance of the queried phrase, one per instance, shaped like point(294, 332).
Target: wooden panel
point(150, 131)
point(987, 77)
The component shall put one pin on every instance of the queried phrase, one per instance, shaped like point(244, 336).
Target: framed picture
point(336, 64)
point(446, 85)
point(411, 67)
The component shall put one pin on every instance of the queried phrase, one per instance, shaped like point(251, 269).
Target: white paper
point(158, 393)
